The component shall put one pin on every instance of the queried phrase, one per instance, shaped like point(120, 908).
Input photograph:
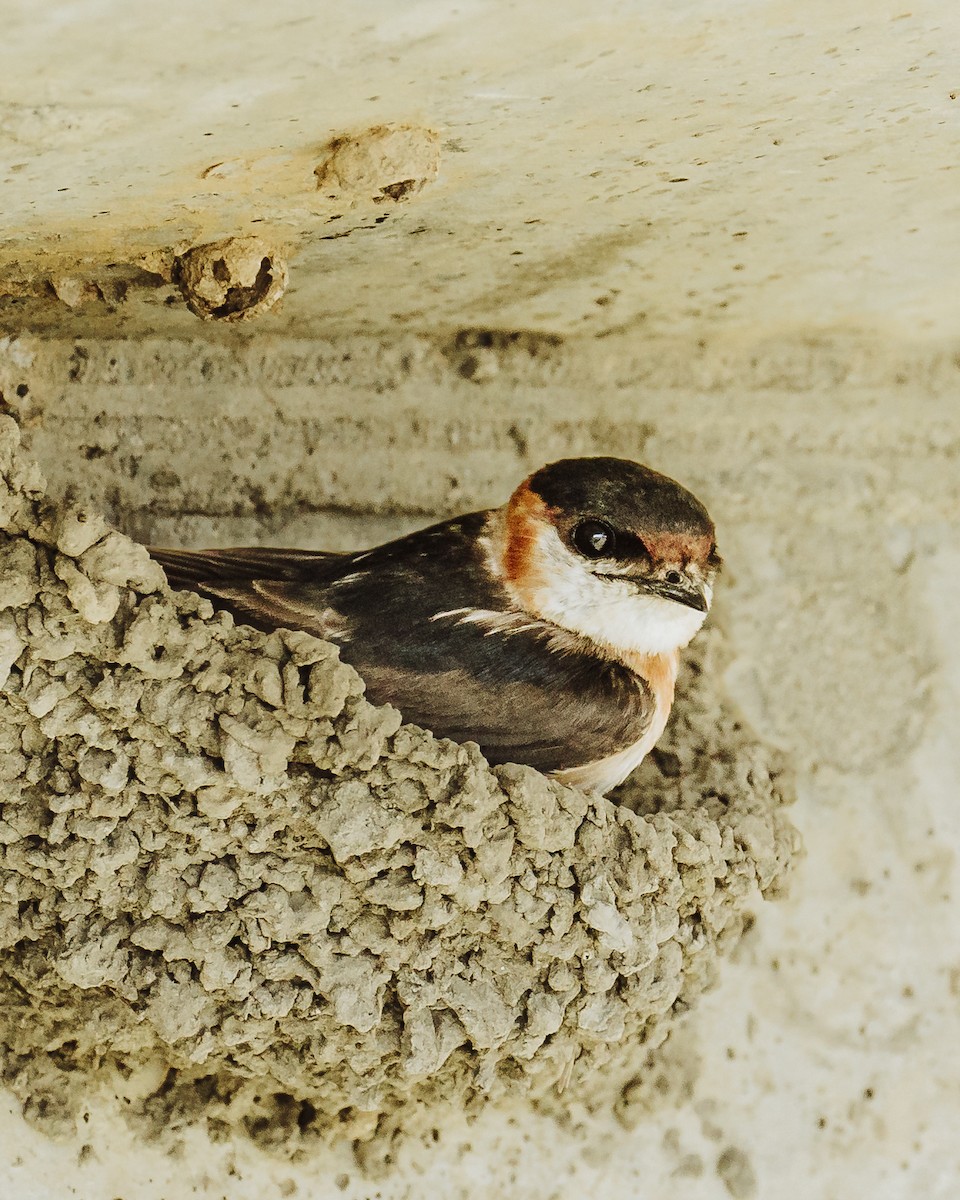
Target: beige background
point(726, 234)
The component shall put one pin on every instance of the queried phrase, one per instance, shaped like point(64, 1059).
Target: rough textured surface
point(225, 873)
point(718, 236)
point(830, 465)
point(387, 162)
point(233, 280)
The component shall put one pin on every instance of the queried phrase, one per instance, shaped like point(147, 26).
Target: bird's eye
point(673, 577)
point(594, 539)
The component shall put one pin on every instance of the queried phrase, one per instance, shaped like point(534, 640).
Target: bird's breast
point(659, 673)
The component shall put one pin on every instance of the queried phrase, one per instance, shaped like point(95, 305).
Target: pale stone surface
point(626, 165)
point(756, 203)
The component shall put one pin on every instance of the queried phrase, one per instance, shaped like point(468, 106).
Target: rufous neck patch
point(526, 513)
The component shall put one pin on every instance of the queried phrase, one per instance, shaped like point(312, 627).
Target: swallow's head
point(611, 550)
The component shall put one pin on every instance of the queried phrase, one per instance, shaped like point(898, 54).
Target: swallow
point(547, 630)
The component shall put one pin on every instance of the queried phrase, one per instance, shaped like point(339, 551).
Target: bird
point(547, 630)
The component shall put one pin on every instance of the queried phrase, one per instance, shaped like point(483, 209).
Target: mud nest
point(231, 890)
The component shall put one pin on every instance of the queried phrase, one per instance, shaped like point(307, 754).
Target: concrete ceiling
point(560, 166)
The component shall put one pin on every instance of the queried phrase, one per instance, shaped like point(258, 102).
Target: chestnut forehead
point(679, 547)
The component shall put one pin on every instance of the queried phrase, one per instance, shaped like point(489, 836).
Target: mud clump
point(237, 279)
point(233, 891)
point(384, 162)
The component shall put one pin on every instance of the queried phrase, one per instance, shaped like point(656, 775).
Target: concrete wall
point(826, 1054)
point(702, 165)
point(725, 234)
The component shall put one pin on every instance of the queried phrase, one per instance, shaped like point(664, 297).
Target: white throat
point(609, 612)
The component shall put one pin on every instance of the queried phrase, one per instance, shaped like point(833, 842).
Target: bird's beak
point(690, 594)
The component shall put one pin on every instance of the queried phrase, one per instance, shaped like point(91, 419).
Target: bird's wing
point(524, 704)
point(326, 593)
point(184, 567)
point(260, 585)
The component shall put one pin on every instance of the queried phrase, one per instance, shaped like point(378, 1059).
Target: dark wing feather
point(585, 711)
point(183, 567)
point(260, 585)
